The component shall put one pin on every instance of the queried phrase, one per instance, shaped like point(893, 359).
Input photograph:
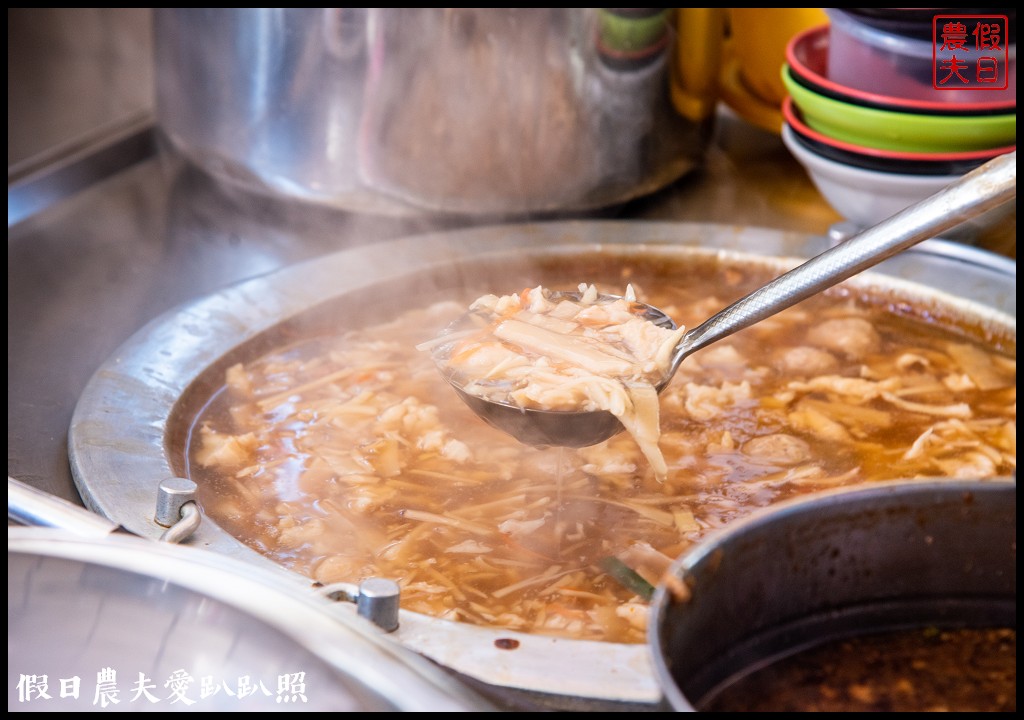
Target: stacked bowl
point(867, 119)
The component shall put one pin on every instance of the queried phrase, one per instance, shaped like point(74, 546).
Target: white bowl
point(865, 197)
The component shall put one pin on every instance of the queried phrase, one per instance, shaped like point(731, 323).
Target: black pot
point(912, 554)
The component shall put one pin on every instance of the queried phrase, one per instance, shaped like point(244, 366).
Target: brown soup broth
point(344, 456)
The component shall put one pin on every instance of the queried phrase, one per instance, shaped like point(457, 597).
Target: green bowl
point(890, 130)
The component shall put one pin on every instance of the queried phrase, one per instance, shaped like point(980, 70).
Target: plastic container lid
point(864, 57)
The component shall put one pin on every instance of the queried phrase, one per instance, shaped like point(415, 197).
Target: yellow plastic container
point(758, 39)
point(696, 64)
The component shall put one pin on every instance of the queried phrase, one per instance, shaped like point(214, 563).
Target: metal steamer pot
point(482, 111)
point(99, 619)
point(126, 434)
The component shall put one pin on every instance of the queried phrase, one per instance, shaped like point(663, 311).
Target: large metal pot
point(127, 433)
point(465, 110)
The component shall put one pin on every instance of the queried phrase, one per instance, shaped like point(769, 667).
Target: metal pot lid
point(122, 623)
point(117, 439)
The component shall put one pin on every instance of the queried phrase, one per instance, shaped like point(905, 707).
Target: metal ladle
point(981, 190)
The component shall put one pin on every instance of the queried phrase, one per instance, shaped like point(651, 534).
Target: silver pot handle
point(376, 599)
point(176, 510)
point(29, 506)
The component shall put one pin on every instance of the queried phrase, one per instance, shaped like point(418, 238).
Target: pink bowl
point(807, 56)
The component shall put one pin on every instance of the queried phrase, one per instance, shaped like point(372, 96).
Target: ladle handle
point(982, 189)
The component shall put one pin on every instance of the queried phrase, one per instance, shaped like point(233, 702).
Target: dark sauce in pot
point(915, 670)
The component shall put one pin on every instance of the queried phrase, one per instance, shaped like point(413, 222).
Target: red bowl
point(891, 161)
point(807, 57)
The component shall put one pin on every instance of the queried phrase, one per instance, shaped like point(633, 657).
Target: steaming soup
point(345, 455)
